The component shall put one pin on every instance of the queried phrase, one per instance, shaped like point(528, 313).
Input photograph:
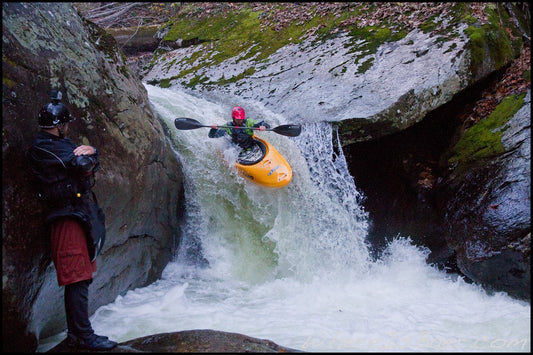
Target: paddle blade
point(184, 123)
point(290, 130)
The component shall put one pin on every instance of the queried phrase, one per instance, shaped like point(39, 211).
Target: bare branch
point(104, 10)
point(113, 13)
point(109, 4)
point(134, 33)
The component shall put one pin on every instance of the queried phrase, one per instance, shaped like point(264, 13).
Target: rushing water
point(291, 264)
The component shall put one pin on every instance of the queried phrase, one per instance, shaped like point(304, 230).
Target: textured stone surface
point(489, 212)
point(398, 88)
point(139, 186)
point(193, 341)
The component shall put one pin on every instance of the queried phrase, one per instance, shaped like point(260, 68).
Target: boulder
point(139, 186)
point(488, 194)
point(192, 341)
point(372, 80)
point(134, 40)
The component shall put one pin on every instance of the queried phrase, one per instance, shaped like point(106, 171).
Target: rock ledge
point(191, 341)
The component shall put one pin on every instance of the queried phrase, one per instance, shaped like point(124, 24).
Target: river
point(291, 265)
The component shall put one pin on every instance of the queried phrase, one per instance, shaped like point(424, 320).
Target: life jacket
point(242, 137)
point(65, 187)
point(61, 180)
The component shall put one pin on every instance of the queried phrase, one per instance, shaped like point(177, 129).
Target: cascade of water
point(314, 225)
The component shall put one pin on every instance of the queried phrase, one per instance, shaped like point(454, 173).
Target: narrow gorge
point(427, 103)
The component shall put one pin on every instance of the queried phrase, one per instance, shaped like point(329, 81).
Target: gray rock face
point(323, 76)
point(475, 218)
point(489, 213)
point(139, 186)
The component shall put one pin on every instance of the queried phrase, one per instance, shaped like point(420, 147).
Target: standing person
point(65, 175)
point(239, 135)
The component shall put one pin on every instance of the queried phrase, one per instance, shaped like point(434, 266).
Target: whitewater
point(292, 265)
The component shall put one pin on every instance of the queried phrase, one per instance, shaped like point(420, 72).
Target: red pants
point(69, 252)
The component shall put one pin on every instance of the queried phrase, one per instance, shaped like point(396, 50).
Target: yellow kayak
point(264, 165)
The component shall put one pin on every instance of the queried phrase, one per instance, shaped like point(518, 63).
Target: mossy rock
point(483, 140)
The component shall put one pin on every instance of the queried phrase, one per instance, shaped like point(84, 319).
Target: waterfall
point(314, 225)
point(291, 264)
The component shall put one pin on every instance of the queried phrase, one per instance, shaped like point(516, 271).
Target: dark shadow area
point(399, 175)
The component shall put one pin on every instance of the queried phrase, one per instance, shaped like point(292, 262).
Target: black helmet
point(52, 115)
point(55, 96)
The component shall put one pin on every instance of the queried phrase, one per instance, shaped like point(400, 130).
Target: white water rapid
point(291, 265)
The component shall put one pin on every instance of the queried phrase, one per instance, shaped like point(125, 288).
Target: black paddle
point(290, 130)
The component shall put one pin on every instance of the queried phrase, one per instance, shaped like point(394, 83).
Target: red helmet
point(237, 113)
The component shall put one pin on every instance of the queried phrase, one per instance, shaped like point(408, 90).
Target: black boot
point(80, 332)
point(91, 342)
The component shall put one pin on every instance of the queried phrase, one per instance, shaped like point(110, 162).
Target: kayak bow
point(272, 170)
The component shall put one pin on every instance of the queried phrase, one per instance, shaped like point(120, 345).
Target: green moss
point(451, 48)
point(483, 140)
point(500, 47)
point(365, 66)
point(477, 46)
point(165, 83)
point(190, 60)
point(225, 34)
point(197, 80)
point(470, 20)
point(8, 82)
point(103, 41)
point(398, 35)
point(383, 34)
point(527, 75)
point(493, 37)
point(248, 72)
point(153, 82)
point(429, 25)
point(124, 70)
point(367, 40)
point(232, 34)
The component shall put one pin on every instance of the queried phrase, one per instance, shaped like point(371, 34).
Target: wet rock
point(192, 341)
point(139, 186)
point(298, 73)
point(134, 40)
point(488, 213)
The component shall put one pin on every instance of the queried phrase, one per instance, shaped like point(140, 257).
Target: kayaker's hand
point(214, 126)
point(262, 128)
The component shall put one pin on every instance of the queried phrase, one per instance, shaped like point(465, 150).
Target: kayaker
point(64, 176)
point(239, 135)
